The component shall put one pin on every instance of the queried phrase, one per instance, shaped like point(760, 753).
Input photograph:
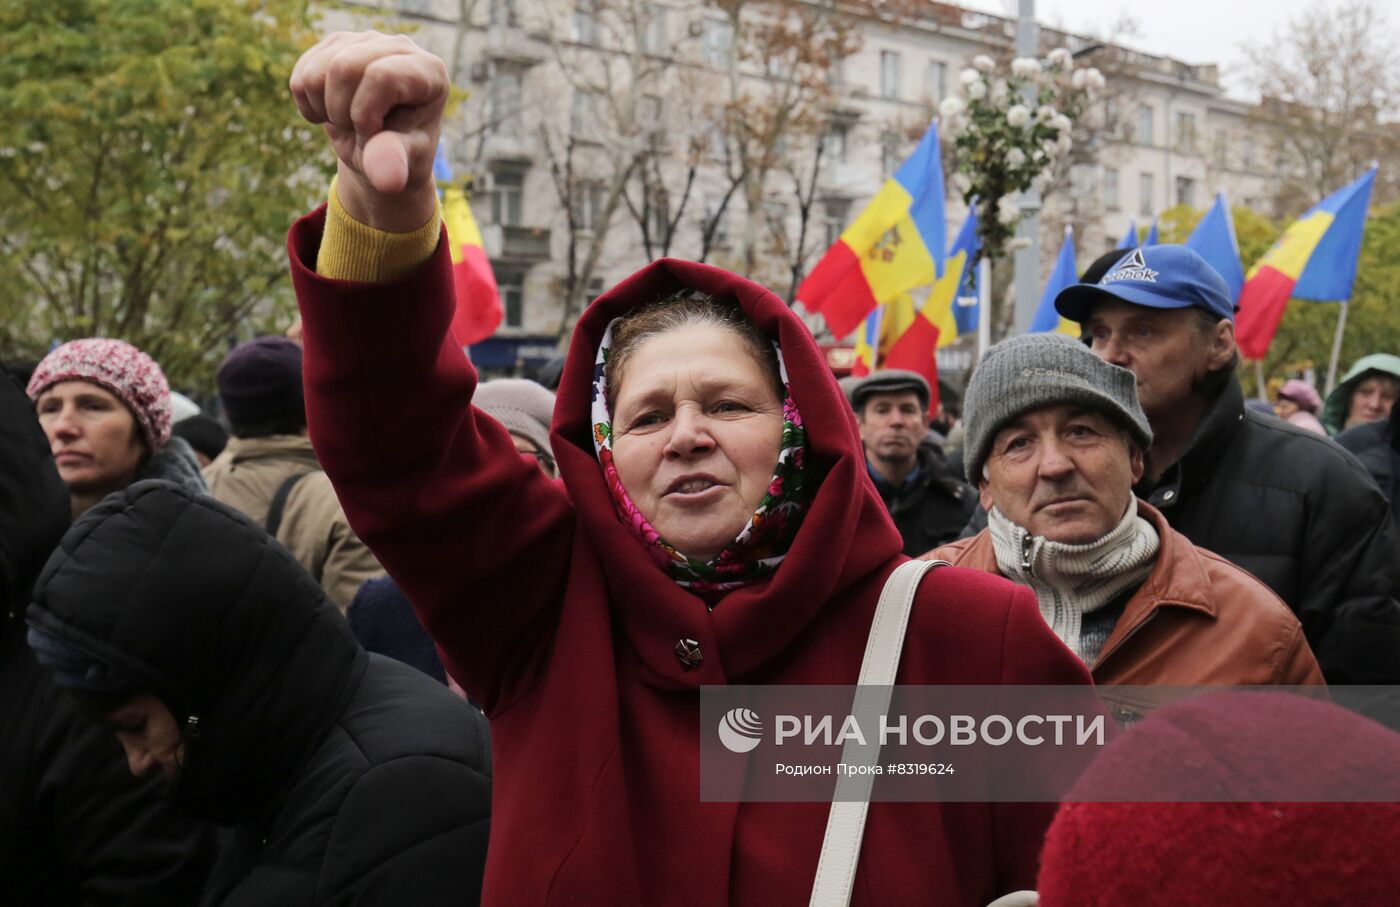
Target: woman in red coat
point(714, 525)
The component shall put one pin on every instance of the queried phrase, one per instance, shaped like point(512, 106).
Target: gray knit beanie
point(523, 407)
point(1038, 370)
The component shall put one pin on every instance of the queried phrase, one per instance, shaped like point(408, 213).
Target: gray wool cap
point(522, 406)
point(1039, 370)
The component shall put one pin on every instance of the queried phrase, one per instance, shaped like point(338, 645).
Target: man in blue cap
point(1285, 504)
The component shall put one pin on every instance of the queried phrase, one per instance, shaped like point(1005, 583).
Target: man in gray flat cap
point(1055, 443)
point(929, 503)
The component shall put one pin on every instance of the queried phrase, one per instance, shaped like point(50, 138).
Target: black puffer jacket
point(933, 508)
point(1302, 515)
point(75, 826)
point(1377, 446)
point(348, 778)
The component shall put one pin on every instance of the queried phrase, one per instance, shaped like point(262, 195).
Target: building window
point(1144, 131)
point(588, 205)
point(507, 197)
point(1110, 188)
point(937, 80)
point(775, 218)
point(659, 216)
point(837, 211)
point(1248, 154)
point(507, 90)
point(1186, 131)
point(720, 236)
point(889, 74)
point(1186, 191)
point(511, 284)
point(889, 153)
point(1222, 148)
point(1081, 181)
point(583, 118)
point(834, 149)
point(586, 21)
point(649, 112)
point(719, 42)
point(503, 12)
point(1145, 195)
point(658, 37)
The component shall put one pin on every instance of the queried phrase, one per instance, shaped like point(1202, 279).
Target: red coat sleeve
point(477, 537)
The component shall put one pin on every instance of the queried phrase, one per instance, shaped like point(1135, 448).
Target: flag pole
point(1336, 349)
point(1259, 387)
point(984, 305)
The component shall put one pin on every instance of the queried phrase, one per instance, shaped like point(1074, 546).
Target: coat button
point(1169, 495)
point(688, 654)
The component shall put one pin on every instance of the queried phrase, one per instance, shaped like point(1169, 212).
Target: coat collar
point(1216, 431)
point(846, 536)
point(1178, 578)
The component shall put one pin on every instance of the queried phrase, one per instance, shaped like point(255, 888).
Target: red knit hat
point(119, 367)
point(1226, 746)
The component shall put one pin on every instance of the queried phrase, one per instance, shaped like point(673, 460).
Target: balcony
point(526, 245)
point(508, 44)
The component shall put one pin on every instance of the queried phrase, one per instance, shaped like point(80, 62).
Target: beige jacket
point(247, 475)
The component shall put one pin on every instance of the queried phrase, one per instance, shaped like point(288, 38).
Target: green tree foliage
point(1305, 337)
point(150, 163)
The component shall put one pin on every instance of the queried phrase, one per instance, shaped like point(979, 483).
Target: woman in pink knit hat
point(1298, 403)
point(105, 407)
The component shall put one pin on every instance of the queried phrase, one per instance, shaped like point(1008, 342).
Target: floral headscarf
point(764, 541)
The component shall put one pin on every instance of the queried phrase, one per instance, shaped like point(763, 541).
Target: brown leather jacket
point(1196, 619)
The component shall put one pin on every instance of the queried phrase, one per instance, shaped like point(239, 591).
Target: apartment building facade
point(560, 93)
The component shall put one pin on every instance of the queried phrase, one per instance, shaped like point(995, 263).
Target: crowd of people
point(382, 615)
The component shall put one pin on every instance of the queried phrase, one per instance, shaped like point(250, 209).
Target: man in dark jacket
point(1285, 504)
point(347, 777)
point(928, 503)
point(75, 827)
point(1377, 446)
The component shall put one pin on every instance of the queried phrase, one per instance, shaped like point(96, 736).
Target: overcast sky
point(1196, 31)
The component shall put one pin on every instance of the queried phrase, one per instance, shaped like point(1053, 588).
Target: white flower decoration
point(1025, 67)
point(1000, 91)
point(1016, 158)
point(984, 63)
point(1018, 115)
point(1094, 80)
point(951, 107)
point(1079, 79)
point(1046, 114)
point(1060, 57)
point(969, 76)
point(977, 90)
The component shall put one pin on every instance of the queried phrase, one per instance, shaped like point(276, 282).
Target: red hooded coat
point(551, 615)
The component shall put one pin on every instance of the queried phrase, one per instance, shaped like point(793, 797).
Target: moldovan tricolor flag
point(1314, 259)
point(479, 310)
point(895, 244)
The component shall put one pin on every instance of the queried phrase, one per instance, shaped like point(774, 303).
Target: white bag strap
point(845, 826)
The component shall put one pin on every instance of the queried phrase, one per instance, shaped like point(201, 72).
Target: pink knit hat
point(118, 367)
point(1301, 393)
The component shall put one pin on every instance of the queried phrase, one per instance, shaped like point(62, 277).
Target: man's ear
point(1222, 344)
point(984, 494)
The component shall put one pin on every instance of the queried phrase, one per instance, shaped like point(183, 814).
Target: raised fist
point(380, 99)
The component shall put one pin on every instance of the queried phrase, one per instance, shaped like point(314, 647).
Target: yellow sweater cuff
point(351, 250)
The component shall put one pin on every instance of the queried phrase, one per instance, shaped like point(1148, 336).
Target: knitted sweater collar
point(1072, 580)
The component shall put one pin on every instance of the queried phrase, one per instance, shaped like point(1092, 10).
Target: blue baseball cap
point(1159, 277)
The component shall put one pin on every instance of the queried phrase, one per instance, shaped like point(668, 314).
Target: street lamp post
point(1027, 258)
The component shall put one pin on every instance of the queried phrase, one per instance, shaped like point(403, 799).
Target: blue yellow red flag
point(1314, 259)
point(893, 246)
